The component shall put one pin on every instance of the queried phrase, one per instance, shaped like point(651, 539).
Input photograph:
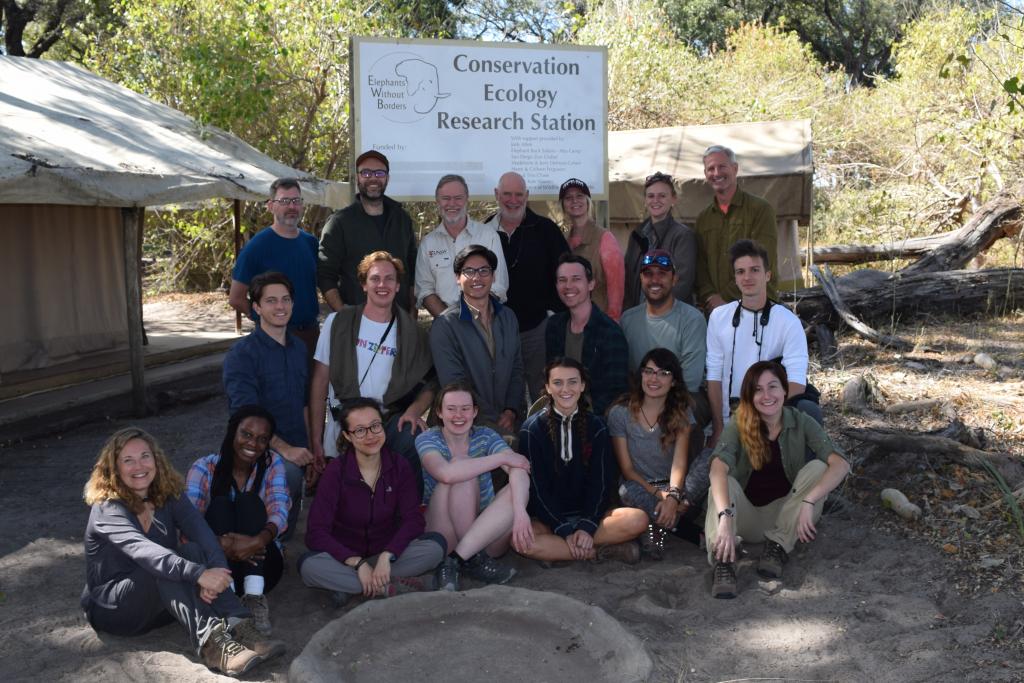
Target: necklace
point(650, 427)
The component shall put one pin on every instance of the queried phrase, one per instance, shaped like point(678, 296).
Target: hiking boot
point(772, 559)
point(340, 599)
point(483, 567)
point(246, 633)
point(446, 576)
point(723, 585)
point(257, 604)
point(628, 552)
point(223, 653)
point(652, 543)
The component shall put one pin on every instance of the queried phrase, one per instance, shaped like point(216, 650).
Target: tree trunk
point(993, 292)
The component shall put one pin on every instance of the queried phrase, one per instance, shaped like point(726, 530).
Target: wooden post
point(237, 222)
point(601, 213)
point(131, 221)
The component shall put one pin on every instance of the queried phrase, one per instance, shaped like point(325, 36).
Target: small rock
point(988, 562)
point(964, 358)
point(984, 360)
point(967, 511)
point(914, 365)
point(769, 586)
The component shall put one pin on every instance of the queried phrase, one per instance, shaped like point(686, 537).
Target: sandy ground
point(871, 600)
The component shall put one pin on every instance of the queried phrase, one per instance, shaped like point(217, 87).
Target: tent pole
point(601, 213)
point(237, 223)
point(131, 224)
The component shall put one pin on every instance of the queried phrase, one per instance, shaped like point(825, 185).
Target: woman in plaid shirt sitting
point(243, 493)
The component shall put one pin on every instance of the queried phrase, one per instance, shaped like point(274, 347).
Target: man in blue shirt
point(269, 368)
point(285, 248)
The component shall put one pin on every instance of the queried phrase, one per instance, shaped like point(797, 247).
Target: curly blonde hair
point(753, 431)
point(104, 483)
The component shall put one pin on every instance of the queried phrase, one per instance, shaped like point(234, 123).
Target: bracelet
point(809, 502)
point(360, 563)
point(675, 495)
point(728, 512)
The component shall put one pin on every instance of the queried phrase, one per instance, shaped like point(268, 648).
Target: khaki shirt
point(749, 217)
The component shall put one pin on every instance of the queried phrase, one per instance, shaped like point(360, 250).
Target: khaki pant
point(775, 521)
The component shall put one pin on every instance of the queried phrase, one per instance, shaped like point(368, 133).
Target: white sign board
point(480, 109)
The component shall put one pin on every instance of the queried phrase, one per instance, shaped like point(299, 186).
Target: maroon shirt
point(768, 483)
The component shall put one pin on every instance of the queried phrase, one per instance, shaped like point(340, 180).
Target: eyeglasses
point(659, 260)
point(482, 271)
point(360, 432)
point(288, 201)
point(373, 173)
point(651, 372)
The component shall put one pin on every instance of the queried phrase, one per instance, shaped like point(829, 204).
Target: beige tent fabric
point(64, 268)
point(68, 136)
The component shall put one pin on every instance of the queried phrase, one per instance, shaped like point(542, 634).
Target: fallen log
point(999, 217)
point(828, 285)
point(875, 296)
point(898, 441)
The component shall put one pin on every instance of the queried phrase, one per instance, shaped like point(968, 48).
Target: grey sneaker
point(628, 552)
point(723, 584)
point(652, 543)
point(772, 559)
point(223, 653)
point(483, 567)
point(447, 575)
point(246, 633)
point(257, 604)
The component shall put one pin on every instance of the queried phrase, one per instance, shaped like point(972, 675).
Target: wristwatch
point(728, 512)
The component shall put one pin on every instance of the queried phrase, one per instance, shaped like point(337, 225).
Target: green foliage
point(193, 248)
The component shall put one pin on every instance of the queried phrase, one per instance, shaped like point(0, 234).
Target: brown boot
point(246, 633)
point(772, 560)
point(723, 584)
point(628, 552)
point(223, 653)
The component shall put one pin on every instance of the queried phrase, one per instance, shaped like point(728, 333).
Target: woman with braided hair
point(763, 487)
point(572, 476)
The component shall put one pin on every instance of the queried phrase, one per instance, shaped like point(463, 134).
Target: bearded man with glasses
point(373, 222)
point(283, 247)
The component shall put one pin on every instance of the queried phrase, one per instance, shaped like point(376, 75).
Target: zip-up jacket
point(348, 519)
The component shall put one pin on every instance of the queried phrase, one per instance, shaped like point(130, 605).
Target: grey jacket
point(460, 352)
point(673, 237)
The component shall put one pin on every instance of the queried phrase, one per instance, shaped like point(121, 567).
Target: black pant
point(141, 602)
point(246, 514)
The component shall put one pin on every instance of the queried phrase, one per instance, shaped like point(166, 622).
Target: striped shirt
point(274, 492)
point(483, 441)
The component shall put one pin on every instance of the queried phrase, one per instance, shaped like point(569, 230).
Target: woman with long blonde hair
point(762, 485)
point(138, 577)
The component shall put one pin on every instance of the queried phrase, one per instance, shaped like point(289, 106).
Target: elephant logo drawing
point(402, 87)
point(422, 85)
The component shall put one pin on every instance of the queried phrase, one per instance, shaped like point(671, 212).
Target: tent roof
point(68, 136)
point(774, 157)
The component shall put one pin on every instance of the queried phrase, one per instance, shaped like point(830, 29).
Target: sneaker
point(628, 552)
point(723, 585)
point(483, 567)
point(246, 633)
point(340, 599)
point(257, 604)
point(447, 575)
point(223, 653)
point(772, 559)
point(652, 543)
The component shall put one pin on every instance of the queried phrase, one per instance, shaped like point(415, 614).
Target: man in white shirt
point(373, 350)
point(436, 285)
point(740, 333)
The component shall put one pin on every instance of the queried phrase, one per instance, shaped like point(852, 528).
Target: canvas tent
point(79, 157)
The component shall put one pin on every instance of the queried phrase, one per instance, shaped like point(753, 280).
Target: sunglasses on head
point(659, 260)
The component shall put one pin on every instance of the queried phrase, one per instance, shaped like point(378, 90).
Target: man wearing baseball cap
point(373, 222)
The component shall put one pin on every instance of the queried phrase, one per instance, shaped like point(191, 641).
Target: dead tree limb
point(828, 285)
point(914, 247)
point(898, 441)
point(874, 296)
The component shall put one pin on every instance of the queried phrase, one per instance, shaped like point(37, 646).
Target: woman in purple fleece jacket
point(365, 525)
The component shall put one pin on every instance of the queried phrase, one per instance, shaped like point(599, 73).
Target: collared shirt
point(799, 432)
point(259, 371)
point(604, 353)
point(749, 217)
point(435, 261)
point(273, 493)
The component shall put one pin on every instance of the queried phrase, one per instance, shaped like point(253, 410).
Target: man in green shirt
point(733, 215)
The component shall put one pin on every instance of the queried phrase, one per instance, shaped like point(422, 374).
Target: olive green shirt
point(799, 432)
point(749, 217)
